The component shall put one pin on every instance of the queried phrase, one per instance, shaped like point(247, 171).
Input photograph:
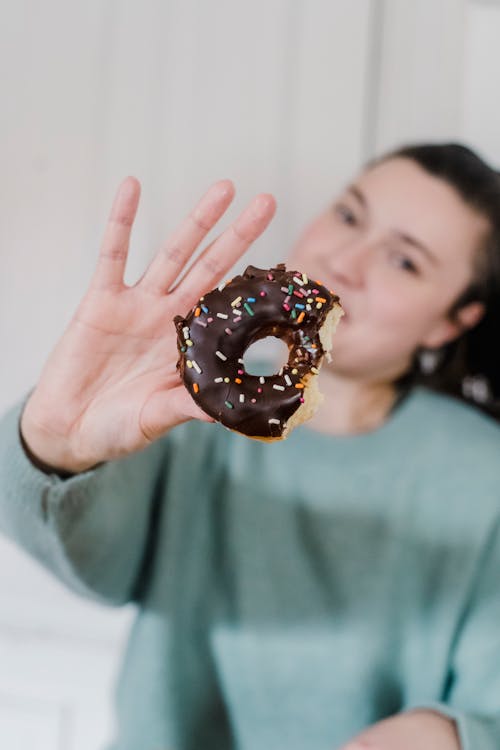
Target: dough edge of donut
point(312, 395)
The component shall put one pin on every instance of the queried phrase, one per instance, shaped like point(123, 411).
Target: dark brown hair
point(469, 366)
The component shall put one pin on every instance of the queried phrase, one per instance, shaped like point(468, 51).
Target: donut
point(213, 337)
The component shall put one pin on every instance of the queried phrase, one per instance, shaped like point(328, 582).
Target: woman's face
point(398, 246)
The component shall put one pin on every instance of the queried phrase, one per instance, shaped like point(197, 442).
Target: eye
point(403, 262)
point(346, 215)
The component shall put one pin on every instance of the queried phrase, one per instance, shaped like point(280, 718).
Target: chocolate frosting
point(214, 336)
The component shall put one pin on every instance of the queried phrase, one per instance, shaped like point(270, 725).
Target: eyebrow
point(417, 244)
point(358, 194)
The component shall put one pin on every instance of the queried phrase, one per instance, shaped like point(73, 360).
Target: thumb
point(166, 409)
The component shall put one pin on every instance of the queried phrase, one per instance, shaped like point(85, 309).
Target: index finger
point(173, 256)
point(221, 255)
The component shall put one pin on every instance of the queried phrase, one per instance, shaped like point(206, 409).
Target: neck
point(352, 406)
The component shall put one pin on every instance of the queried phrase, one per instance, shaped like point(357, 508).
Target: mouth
point(347, 315)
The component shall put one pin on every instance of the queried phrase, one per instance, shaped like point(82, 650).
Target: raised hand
point(110, 386)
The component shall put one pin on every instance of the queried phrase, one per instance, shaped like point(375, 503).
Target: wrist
point(41, 465)
point(39, 448)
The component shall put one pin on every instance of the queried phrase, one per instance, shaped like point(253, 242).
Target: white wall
point(438, 75)
point(479, 115)
point(285, 96)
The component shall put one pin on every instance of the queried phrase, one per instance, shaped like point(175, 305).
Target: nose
point(349, 263)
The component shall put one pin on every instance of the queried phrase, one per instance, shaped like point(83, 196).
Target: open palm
point(110, 386)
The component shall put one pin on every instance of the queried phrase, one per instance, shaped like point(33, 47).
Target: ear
point(449, 329)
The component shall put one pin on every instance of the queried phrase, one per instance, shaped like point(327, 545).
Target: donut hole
point(265, 356)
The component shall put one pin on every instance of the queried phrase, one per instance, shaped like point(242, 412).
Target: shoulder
point(457, 441)
point(458, 422)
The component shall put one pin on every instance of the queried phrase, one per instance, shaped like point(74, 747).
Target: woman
point(409, 271)
point(336, 590)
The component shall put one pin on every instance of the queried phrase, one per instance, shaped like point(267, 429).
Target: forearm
point(90, 529)
point(413, 730)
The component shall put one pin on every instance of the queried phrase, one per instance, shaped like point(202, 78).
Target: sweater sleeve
point(474, 694)
point(92, 529)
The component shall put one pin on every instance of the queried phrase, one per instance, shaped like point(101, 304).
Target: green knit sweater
point(288, 594)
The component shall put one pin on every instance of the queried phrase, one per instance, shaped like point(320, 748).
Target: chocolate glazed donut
point(214, 336)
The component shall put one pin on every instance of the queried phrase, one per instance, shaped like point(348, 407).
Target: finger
point(166, 409)
point(225, 250)
point(114, 248)
point(172, 257)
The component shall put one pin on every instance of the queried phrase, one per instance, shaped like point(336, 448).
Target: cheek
point(393, 311)
point(386, 328)
point(397, 319)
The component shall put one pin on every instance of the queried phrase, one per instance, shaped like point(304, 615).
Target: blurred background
point(285, 96)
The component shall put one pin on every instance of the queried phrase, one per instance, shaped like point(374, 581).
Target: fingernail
point(129, 185)
point(263, 204)
point(222, 189)
point(227, 187)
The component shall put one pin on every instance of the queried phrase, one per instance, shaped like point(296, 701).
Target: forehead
point(402, 196)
